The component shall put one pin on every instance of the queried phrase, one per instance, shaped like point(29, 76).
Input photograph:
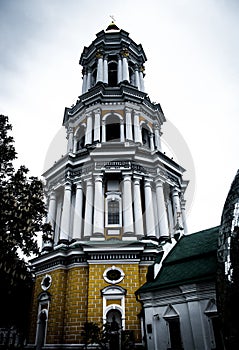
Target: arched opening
point(146, 136)
point(131, 75)
point(80, 138)
point(112, 73)
point(41, 333)
point(114, 322)
point(114, 319)
point(113, 128)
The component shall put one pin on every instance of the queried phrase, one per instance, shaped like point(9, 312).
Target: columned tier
point(115, 203)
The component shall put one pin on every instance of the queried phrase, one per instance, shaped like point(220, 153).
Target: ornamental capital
point(99, 53)
point(125, 52)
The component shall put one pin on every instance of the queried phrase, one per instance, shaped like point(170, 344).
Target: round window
point(46, 282)
point(113, 275)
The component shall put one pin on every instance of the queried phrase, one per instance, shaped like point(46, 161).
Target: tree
point(21, 212)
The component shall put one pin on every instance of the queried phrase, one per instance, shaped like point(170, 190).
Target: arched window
point(114, 305)
point(80, 138)
point(113, 128)
point(112, 73)
point(145, 136)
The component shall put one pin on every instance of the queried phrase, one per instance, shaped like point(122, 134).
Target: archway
point(41, 330)
point(114, 321)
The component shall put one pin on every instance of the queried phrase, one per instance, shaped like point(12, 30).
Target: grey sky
point(192, 71)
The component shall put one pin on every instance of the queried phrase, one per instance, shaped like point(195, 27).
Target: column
point(129, 134)
point(70, 140)
point(162, 213)
point(125, 69)
point(122, 131)
point(137, 130)
point(88, 80)
point(127, 205)
point(100, 70)
point(88, 136)
point(97, 125)
point(151, 141)
point(51, 216)
point(98, 207)
point(137, 80)
point(84, 81)
point(105, 70)
point(138, 217)
point(177, 209)
point(170, 217)
point(77, 224)
point(141, 78)
point(149, 212)
point(157, 138)
point(103, 131)
point(88, 209)
point(119, 72)
point(184, 220)
point(66, 213)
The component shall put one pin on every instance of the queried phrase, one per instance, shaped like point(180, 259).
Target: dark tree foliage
point(21, 212)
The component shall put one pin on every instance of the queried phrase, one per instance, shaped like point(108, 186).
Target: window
point(146, 137)
point(112, 73)
point(174, 333)
point(113, 275)
point(113, 212)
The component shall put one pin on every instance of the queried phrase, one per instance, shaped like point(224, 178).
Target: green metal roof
point(193, 259)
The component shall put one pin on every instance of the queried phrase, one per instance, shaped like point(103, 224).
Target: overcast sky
point(192, 70)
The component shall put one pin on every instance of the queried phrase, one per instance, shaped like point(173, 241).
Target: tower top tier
point(113, 57)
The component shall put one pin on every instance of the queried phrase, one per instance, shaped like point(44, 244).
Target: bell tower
point(115, 201)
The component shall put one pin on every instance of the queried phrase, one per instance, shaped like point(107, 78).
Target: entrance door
point(114, 319)
point(41, 330)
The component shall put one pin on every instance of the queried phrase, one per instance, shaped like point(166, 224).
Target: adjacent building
point(180, 308)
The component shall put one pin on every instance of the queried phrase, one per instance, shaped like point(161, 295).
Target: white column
point(122, 131)
point(77, 224)
point(127, 205)
point(137, 80)
point(141, 78)
point(151, 140)
point(88, 209)
point(157, 138)
point(97, 125)
point(177, 208)
point(119, 72)
point(137, 130)
point(98, 207)
point(125, 69)
point(70, 140)
point(100, 70)
point(129, 134)
point(84, 84)
point(105, 70)
point(149, 212)
point(66, 213)
point(162, 213)
point(184, 220)
point(51, 216)
point(103, 131)
point(138, 217)
point(170, 217)
point(88, 136)
point(88, 80)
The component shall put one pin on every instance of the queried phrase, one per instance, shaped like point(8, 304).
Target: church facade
point(115, 201)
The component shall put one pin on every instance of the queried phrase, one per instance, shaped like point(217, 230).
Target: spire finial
point(112, 25)
point(112, 17)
